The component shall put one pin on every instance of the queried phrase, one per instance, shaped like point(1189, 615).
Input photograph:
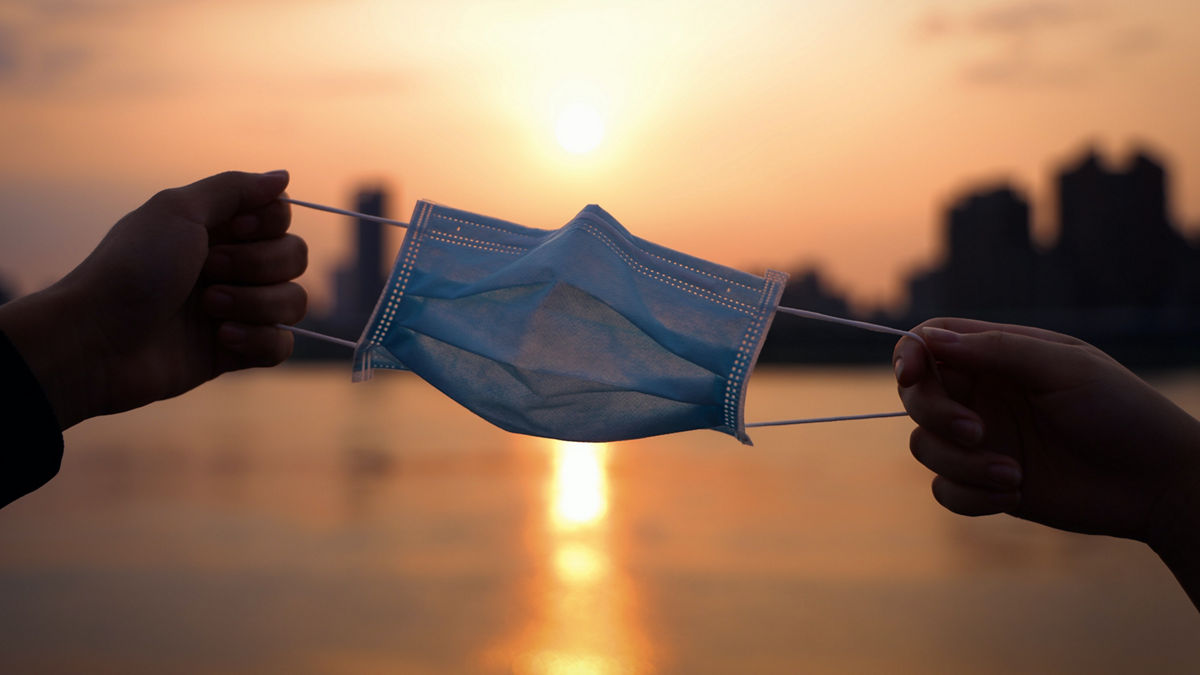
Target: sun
point(579, 128)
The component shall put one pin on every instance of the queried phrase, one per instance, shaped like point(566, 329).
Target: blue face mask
point(585, 333)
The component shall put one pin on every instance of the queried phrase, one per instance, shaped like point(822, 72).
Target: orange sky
point(753, 134)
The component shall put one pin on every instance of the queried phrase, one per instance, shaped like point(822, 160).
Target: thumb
point(1028, 360)
point(217, 199)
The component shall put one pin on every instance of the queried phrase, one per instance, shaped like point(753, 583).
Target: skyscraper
point(1116, 242)
point(359, 283)
point(991, 265)
point(991, 261)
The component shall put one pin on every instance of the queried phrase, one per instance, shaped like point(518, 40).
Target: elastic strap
point(317, 336)
point(814, 420)
point(344, 212)
point(353, 214)
point(864, 325)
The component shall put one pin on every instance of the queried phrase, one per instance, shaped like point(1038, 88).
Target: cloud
point(935, 24)
point(1024, 43)
point(1135, 40)
point(1007, 19)
point(1031, 16)
point(1014, 70)
point(31, 62)
point(25, 67)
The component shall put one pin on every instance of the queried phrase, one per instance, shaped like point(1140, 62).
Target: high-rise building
point(1116, 244)
point(991, 264)
point(359, 283)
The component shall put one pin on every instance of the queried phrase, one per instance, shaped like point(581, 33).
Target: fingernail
point(899, 369)
point(220, 301)
point(276, 172)
point(1005, 475)
point(940, 335)
point(967, 431)
point(231, 334)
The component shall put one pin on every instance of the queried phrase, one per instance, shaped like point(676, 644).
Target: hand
point(184, 288)
point(1048, 428)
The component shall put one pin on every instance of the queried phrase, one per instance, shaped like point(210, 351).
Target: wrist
point(43, 327)
point(1174, 532)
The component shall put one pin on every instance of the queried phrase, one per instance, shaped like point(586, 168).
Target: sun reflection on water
point(580, 487)
point(578, 563)
point(584, 620)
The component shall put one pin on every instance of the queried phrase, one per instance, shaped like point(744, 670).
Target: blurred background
point(1028, 160)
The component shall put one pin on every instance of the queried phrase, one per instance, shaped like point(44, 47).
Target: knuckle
point(916, 444)
point(299, 252)
point(936, 322)
point(229, 179)
point(170, 200)
point(297, 302)
point(997, 339)
point(954, 502)
point(939, 489)
point(281, 347)
point(952, 498)
point(909, 398)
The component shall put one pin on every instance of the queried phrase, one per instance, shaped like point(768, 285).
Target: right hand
point(1048, 428)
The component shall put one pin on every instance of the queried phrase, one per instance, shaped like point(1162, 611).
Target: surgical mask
point(584, 333)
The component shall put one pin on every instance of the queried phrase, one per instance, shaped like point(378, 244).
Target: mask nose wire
point(353, 214)
point(864, 325)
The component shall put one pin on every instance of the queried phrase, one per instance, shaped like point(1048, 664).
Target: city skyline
point(774, 134)
point(1119, 271)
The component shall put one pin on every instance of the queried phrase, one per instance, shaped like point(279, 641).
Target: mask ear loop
point(864, 325)
point(344, 212)
point(353, 214)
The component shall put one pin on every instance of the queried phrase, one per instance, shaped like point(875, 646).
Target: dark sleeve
point(33, 450)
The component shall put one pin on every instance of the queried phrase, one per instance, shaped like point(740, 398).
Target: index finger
point(960, 325)
point(911, 361)
point(260, 224)
point(215, 201)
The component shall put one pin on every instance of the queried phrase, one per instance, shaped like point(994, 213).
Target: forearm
point(43, 327)
point(32, 450)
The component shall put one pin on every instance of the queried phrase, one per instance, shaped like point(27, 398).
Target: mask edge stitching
point(667, 279)
point(397, 294)
point(711, 275)
point(487, 227)
point(459, 240)
point(735, 385)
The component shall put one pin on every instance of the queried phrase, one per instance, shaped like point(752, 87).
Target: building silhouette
point(990, 262)
point(357, 285)
point(1119, 273)
point(1116, 246)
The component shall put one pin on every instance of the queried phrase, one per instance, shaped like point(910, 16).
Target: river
point(288, 521)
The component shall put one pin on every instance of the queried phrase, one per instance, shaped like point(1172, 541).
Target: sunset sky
point(759, 134)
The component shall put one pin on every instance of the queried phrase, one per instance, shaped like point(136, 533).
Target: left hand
point(181, 290)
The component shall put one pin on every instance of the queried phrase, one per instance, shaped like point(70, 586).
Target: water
point(288, 521)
